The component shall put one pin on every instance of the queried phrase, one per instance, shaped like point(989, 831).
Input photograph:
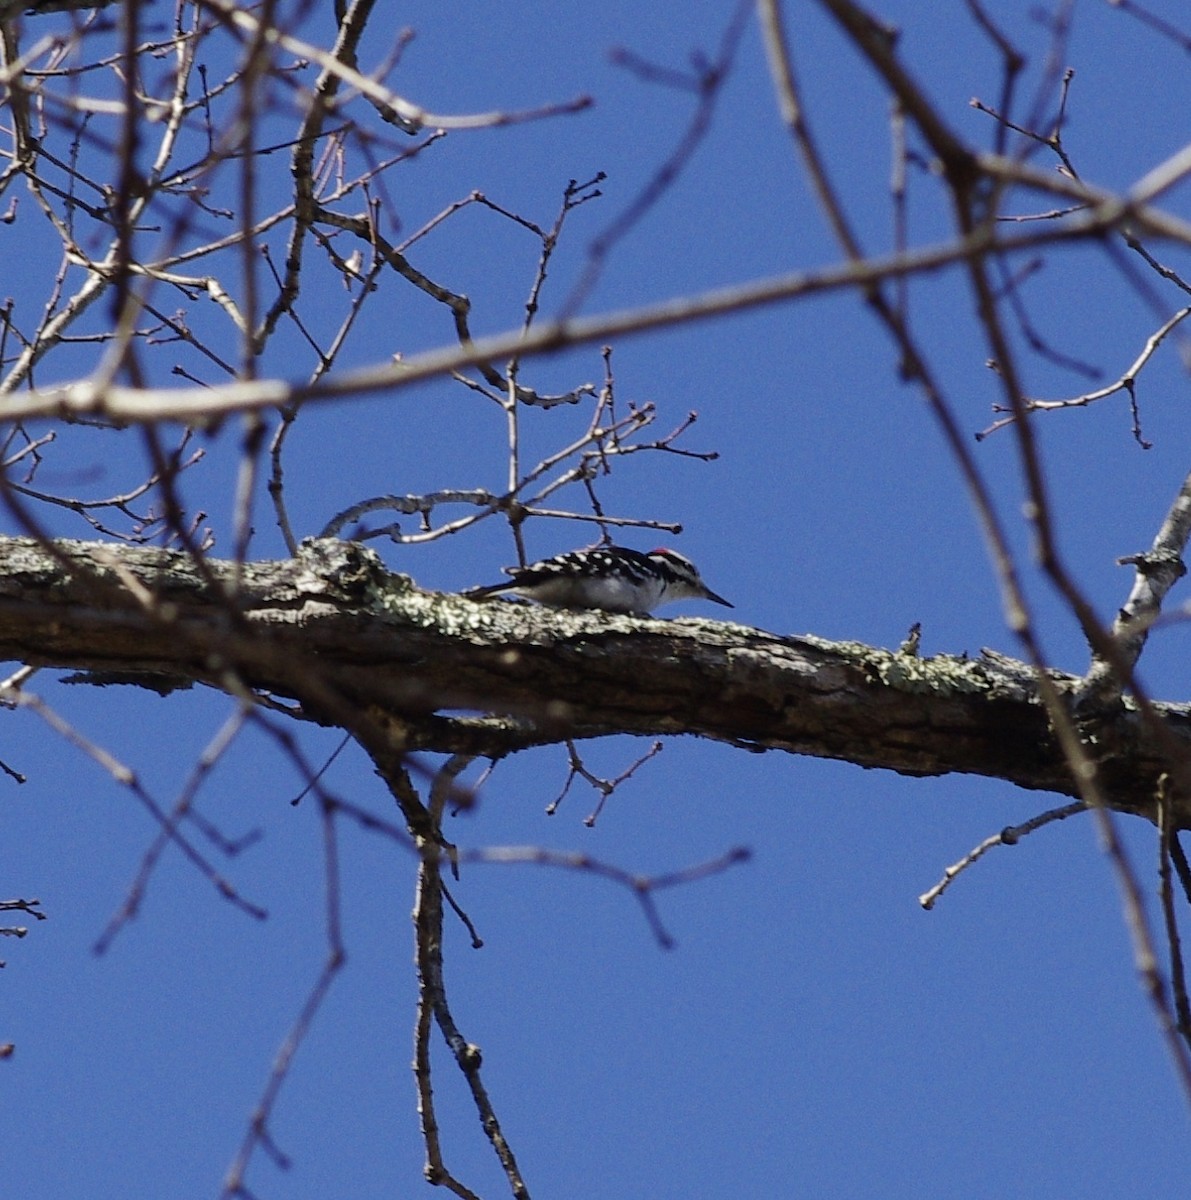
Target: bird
point(611, 579)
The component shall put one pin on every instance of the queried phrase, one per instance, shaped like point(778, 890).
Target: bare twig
point(1009, 836)
point(604, 787)
point(257, 1134)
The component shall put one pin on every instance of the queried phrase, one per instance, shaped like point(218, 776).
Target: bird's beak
point(710, 595)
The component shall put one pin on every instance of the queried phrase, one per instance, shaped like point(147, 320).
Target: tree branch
point(334, 623)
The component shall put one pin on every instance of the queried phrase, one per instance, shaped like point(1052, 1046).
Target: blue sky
point(814, 1032)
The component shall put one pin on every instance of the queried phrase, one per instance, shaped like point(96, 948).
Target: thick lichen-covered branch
point(351, 644)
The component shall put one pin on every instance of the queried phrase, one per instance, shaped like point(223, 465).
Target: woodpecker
point(612, 578)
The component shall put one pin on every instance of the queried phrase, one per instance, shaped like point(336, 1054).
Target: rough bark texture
point(335, 632)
